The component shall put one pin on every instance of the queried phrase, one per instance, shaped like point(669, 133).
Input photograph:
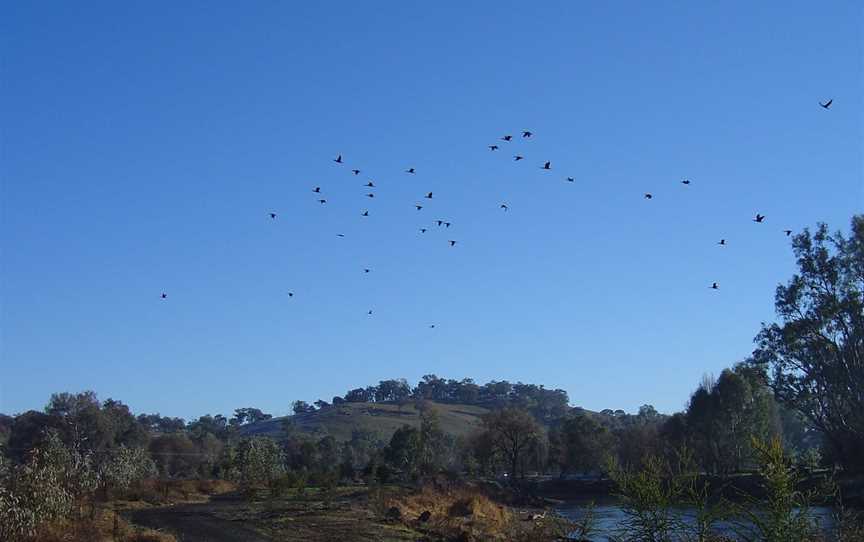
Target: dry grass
point(383, 418)
point(157, 492)
point(100, 525)
point(466, 513)
point(103, 526)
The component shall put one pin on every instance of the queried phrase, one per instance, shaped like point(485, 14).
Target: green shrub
point(784, 515)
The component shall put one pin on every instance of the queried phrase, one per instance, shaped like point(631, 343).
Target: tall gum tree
point(815, 353)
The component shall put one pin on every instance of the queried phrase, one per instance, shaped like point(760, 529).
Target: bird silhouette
point(369, 313)
point(317, 189)
point(446, 224)
point(365, 213)
point(367, 270)
point(787, 232)
point(370, 195)
point(759, 218)
point(517, 158)
point(648, 196)
point(290, 294)
point(164, 295)
point(507, 138)
point(715, 286)
point(452, 243)
point(422, 230)
point(272, 215)
point(685, 181)
point(338, 159)
point(410, 170)
point(547, 165)
point(526, 133)
point(440, 222)
point(432, 326)
point(722, 242)
point(504, 206)
point(493, 147)
point(827, 104)
point(418, 206)
point(322, 201)
point(355, 171)
point(340, 235)
point(370, 184)
point(571, 180)
point(429, 195)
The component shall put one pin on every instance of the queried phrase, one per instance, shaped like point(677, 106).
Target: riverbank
point(732, 488)
point(463, 512)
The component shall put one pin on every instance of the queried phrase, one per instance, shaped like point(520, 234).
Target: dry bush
point(99, 528)
point(462, 513)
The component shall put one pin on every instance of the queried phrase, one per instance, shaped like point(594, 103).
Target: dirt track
point(228, 518)
point(195, 523)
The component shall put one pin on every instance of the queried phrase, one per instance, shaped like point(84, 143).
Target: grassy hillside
point(383, 418)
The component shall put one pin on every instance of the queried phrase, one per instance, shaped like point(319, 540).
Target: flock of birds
point(546, 166)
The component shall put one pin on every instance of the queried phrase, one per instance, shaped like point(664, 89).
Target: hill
point(383, 418)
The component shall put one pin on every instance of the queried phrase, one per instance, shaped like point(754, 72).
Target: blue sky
point(143, 145)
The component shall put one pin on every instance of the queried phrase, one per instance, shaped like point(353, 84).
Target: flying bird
point(422, 230)
point(827, 104)
point(526, 133)
point(365, 213)
point(290, 294)
point(322, 201)
point(432, 326)
point(418, 206)
point(410, 170)
point(164, 295)
point(493, 147)
point(366, 270)
point(340, 235)
point(715, 286)
point(722, 242)
point(685, 181)
point(446, 224)
point(504, 206)
point(355, 171)
point(369, 313)
point(370, 195)
point(759, 218)
point(338, 159)
point(370, 184)
point(547, 165)
point(440, 222)
point(787, 232)
point(507, 138)
point(452, 243)
point(272, 215)
point(648, 196)
point(517, 158)
point(571, 180)
point(317, 189)
point(429, 195)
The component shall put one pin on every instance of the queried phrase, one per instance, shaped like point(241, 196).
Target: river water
point(609, 518)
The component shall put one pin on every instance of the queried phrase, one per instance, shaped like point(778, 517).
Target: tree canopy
point(815, 353)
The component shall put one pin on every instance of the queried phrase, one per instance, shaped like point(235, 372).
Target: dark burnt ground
point(345, 518)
